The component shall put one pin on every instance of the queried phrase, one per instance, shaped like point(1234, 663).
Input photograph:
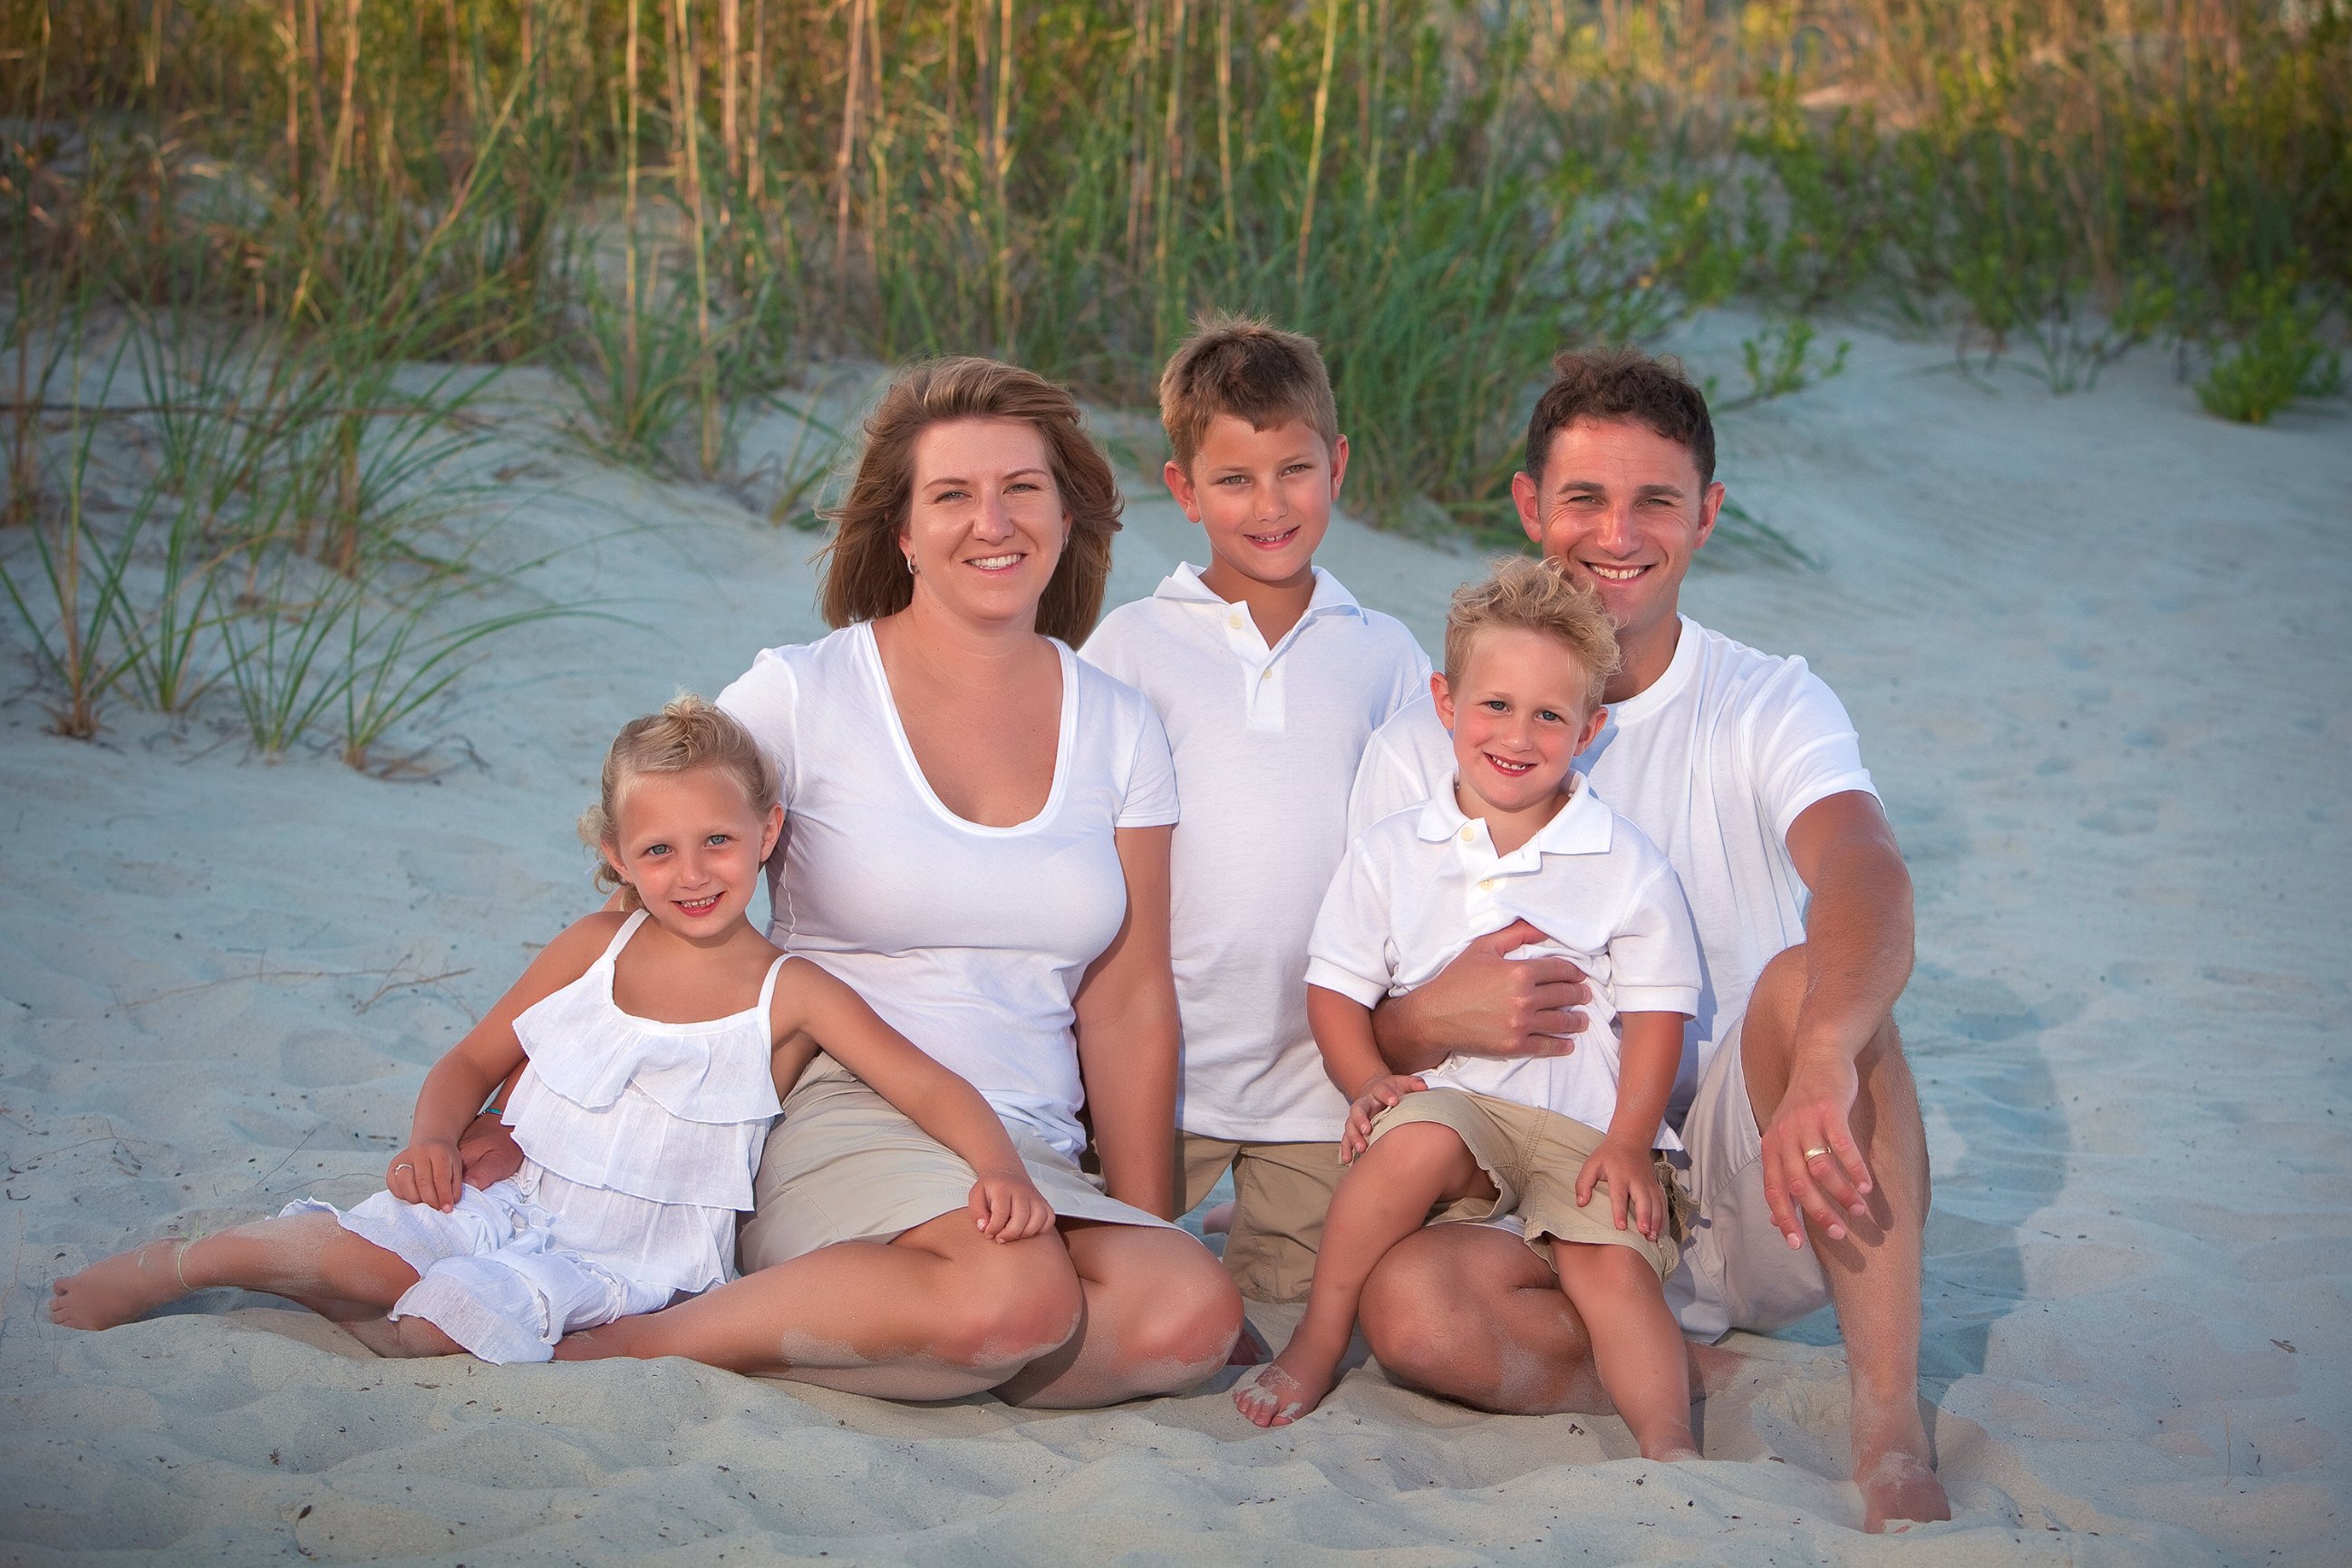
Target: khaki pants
point(1280, 1193)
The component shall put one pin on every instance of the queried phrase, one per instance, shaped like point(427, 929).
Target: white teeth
point(1508, 767)
point(1616, 573)
point(994, 563)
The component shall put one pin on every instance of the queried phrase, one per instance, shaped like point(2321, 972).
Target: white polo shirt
point(1714, 762)
point(1420, 885)
point(1267, 741)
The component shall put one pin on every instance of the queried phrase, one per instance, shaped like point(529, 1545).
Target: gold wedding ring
point(1813, 1154)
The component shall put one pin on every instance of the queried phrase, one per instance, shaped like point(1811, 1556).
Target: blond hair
point(865, 577)
point(1249, 369)
point(687, 734)
point(1536, 596)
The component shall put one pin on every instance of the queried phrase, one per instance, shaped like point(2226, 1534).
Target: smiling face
point(1622, 508)
point(692, 844)
point(985, 524)
point(1520, 712)
point(1264, 498)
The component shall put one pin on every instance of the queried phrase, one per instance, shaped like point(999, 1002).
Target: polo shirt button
point(1469, 835)
point(1234, 621)
point(1265, 675)
point(1488, 886)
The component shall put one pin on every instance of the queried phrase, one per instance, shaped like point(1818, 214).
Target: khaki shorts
point(1533, 1156)
point(1280, 1192)
point(845, 1164)
point(1737, 1272)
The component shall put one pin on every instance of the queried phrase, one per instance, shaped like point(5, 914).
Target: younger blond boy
point(1270, 679)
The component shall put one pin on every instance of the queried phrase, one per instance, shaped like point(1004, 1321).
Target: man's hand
point(488, 1149)
point(1487, 1004)
point(1812, 1162)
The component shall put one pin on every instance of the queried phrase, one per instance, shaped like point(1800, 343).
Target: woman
point(977, 840)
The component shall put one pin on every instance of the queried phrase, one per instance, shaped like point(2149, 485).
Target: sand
point(2097, 650)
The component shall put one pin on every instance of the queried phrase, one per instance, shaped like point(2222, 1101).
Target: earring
point(910, 566)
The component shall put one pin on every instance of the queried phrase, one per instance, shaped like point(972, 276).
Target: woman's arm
point(813, 1004)
point(1129, 1037)
point(430, 1170)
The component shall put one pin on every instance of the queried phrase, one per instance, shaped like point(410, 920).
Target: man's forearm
point(1402, 1029)
point(1858, 947)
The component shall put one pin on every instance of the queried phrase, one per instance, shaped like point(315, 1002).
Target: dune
point(2098, 652)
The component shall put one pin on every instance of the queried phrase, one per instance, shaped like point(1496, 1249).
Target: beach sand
point(2098, 652)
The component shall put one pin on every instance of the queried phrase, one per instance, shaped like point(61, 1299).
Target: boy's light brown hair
point(1536, 596)
point(1251, 370)
point(687, 734)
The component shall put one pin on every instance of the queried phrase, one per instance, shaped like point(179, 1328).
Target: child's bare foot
point(1674, 1449)
point(1277, 1395)
point(116, 1290)
point(1219, 1220)
point(1899, 1490)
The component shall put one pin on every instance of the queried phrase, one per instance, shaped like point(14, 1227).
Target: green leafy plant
point(2283, 361)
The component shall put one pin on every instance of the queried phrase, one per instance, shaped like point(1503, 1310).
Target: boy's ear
point(1339, 465)
point(1594, 723)
point(1441, 694)
point(1179, 485)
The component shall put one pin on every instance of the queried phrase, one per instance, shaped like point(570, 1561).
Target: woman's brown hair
point(865, 577)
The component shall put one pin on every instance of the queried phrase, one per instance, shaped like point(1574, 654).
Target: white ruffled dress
point(639, 1140)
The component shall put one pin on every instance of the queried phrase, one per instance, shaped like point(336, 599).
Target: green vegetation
point(678, 204)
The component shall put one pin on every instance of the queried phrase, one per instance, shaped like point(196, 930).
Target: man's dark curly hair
point(1622, 384)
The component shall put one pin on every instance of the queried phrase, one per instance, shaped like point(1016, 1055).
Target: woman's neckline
point(913, 764)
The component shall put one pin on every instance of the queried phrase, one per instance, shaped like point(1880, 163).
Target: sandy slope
point(2099, 653)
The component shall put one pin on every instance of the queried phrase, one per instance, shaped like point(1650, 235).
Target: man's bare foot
point(1278, 1396)
point(1895, 1469)
point(116, 1290)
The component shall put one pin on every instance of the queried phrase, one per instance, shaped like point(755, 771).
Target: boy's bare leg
point(1636, 1344)
point(307, 1257)
point(1384, 1198)
point(939, 1313)
point(1873, 1271)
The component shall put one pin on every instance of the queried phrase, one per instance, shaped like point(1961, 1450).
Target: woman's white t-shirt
point(970, 941)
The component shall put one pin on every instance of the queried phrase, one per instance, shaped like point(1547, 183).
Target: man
point(1808, 1158)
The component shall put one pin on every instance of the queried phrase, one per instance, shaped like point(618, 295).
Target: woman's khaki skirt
point(845, 1164)
point(1533, 1155)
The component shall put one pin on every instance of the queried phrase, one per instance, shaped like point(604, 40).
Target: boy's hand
point(1633, 1179)
point(429, 1172)
point(1378, 1096)
point(1007, 1206)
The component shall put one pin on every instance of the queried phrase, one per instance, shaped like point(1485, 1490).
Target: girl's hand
point(1378, 1096)
point(1633, 1178)
point(1007, 1206)
point(428, 1173)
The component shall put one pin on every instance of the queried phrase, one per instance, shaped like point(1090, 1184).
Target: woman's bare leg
point(307, 1258)
point(939, 1313)
point(1160, 1315)
point(1385, 1197)
point(1636, 1344)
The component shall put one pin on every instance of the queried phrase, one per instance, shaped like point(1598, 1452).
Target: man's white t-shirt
point(1419, 887)
point(1714, 762)
point(1266, 741)
point(970, 941)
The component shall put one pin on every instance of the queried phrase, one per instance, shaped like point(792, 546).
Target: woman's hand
point(488, 1150)
point(1379, 1095)
point(428, 1171)
point(1007, 1206)
point(1631, 1173)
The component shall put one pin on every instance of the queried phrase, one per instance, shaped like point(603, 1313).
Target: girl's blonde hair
point(1535, 596)
point(865, 577)
point(687, 734)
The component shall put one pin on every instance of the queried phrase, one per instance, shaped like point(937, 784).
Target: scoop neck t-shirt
point(968, 940)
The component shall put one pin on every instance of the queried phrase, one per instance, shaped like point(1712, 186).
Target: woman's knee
point(1163, 1301)
point(1005, 1312)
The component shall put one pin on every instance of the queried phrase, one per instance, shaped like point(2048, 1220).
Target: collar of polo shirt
point(1582, 826)
point(1184, 586)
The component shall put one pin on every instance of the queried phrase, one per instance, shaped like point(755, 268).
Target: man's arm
point(1485, 1005)
point(1858, 957)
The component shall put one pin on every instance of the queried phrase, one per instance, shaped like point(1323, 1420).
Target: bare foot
point(1249, 1349)
point(1899, 1490)
point(115, 1291)
point(1671, 1448)
point(1218, 1221)
point(1276, 1398)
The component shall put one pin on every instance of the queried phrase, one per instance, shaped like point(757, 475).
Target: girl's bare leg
point(1636, 1344)
point(1384, 1197)
point(1160, 1315)
point(305, 1257)
point(939, 1313)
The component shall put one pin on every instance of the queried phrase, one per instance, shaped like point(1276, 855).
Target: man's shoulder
point(1730, 676)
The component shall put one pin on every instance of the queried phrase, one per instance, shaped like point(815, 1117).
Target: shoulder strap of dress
point(768, 986)
point(621, 938)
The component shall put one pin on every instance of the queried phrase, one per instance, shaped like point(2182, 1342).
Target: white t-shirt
point(1266, 741)
point(970, 941)
point(1420, 885)
point(1714, 762)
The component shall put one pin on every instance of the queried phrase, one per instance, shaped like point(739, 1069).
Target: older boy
point(1269, 678)
point(1807, 1159)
